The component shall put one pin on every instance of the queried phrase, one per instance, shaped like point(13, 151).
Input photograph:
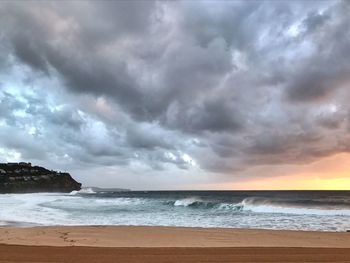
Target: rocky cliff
point(25, 178)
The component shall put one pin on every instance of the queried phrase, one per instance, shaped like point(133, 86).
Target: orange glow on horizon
point(293, 182)
point(330, 173)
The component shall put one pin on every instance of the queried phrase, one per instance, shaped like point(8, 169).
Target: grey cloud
point(143, 137)
point(232, 23)
point(314, 21)
point(62, 132)
point(212, 116)
point(80, 69)
point(122, 18)
point(331, 121)
point(8, 104)
point(244, 81)
point(328, 67)
point(30, 148)
point(28, 53)
point(310, 87)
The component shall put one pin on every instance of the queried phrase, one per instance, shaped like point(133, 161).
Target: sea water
point(294, 210)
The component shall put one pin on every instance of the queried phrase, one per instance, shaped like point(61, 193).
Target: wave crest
point(187, 202)
point(258, 205)
point(83, 191)
point(265, 205)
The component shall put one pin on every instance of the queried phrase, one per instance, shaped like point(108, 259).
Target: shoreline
point(160, 236)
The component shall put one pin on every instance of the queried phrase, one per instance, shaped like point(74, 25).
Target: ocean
point(293, 210)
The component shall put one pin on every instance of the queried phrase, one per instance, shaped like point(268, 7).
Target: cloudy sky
point(179, 94)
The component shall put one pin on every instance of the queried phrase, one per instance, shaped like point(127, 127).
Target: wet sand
point(169, 244)
point(36, 254)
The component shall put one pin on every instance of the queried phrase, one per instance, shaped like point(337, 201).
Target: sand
point(169, 244)
point(38, 254)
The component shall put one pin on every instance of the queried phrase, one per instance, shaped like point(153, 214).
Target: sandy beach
point(169, 244)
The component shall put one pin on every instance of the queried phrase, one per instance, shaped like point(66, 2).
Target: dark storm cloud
point(40, 131)
point(41, 45)
point(328, 66)
point(314, 21)
point(221, 85)
point(28, 53)
point(146, 138)
point(208, 116)
point(332, 121)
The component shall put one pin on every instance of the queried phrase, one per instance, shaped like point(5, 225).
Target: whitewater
point(293, 210)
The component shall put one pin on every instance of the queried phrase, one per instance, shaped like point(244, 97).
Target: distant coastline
point(106, 190)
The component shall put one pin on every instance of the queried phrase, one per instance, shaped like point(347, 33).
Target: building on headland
point(25, 164)
point(11, 164)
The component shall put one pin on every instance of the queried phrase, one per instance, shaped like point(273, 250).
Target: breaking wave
point(83, 191)
point(279, 207)
point(191, 203)
point(259, 205)
point(305, 211)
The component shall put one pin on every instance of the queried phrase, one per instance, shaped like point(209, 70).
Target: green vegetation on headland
point(25, 178)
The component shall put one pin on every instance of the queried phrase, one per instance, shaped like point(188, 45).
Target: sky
point(179, 94)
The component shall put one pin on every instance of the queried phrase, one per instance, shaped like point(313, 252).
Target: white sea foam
point(262, 206)
point(187, 201)
point(68, 209)
point(268, 206)
point(26, 208)
point(275, 209)
point(234, 207)
point(87, 190)
point(121, 201)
